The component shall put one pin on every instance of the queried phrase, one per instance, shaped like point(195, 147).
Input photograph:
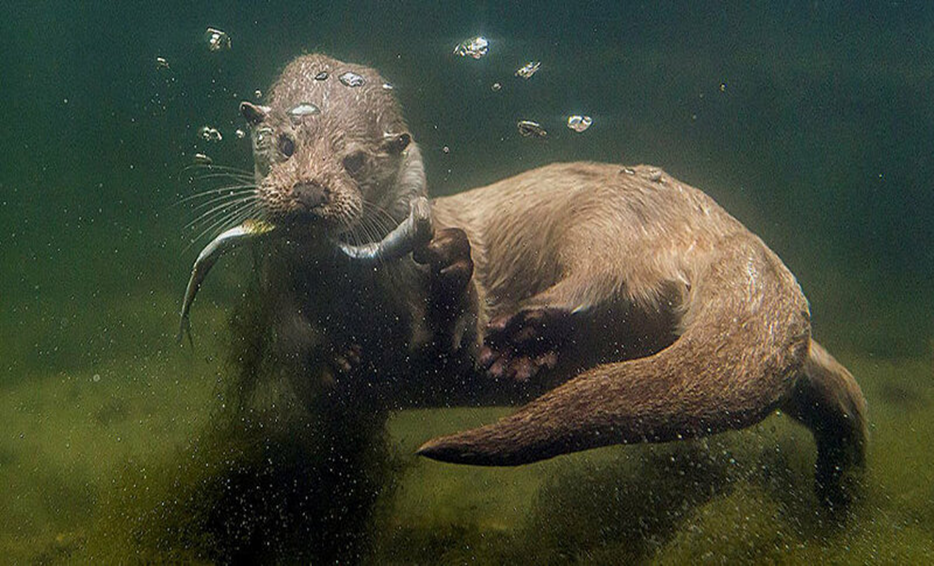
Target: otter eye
point(353, 163)
point(286, 145)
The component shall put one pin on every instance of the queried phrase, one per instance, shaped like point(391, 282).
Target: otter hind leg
point(517, 345)
point(828, 400)
point(745, 341)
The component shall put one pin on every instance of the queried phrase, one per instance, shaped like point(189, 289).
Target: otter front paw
point(519, 346)
point(448, 257)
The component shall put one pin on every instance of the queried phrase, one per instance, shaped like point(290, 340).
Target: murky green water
point(812, 123)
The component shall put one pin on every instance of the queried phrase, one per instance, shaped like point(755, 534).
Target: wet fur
point(683, 323)
point(722, 328)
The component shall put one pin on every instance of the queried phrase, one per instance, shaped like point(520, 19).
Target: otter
point(636, 306)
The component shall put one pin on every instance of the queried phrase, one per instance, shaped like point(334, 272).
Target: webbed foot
point(519, 346)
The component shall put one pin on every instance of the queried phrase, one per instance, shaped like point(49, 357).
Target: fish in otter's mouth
point(415, 230)
point(333, 161)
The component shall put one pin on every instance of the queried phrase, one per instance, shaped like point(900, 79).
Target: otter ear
point(394, 144)
point(254, 114)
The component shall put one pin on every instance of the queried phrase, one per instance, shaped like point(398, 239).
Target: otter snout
point(310, 195)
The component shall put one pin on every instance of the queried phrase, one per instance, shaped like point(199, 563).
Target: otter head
point(332, 152)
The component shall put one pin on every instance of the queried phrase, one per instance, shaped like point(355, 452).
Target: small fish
point(415, 230)
point(220, 245)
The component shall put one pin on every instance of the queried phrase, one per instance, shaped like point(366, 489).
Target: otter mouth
point(416, 230)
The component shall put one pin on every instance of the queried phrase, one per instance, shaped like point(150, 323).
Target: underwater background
point(811, 122)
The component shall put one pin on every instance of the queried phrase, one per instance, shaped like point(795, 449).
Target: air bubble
point(528, 128)
point(351, 79)
point(579, 123)
point(210, 134)
point(526, 71)
point(474, 48)
point(216, 39)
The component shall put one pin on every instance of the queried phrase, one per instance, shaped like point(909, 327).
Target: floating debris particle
point(322, 76)
point(528, 128)
point(526, 71)
point(445, 149)
point(162, 64)
point(351, 79)
point(202, 159)
point(216, 39)
point(496, 87)
point(298, 113)
point(579, 123)
point(210, 134)
point(475, 48)
point(257, 93)
point(96, 377)
point(240, 134)
point(722, 87)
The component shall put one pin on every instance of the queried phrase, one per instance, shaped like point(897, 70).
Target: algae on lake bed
point(119, 454)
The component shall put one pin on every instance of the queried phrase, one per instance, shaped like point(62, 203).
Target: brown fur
point(594, 238)
point(681, 322)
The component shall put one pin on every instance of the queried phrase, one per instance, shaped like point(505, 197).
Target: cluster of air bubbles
point(240, 134)
point(162, 64)
point(216, 39)
point(526, 71)
point(475, 48)
point(478, 47)
point(322, 76)
point(209, 134)
point(257, 94)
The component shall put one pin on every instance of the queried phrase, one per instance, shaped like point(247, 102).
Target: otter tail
point(745, 341)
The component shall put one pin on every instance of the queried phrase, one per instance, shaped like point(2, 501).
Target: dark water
point(813, 123)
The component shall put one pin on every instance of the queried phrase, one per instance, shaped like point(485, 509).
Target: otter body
point(675, 320)
point(644, 310)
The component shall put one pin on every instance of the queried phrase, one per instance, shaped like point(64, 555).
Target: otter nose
point(311, 195)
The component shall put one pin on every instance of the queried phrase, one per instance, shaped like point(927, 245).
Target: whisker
point(238, 189)
point(233, 176)
point(214, 167)
point(223, 201)
point(220, 209)
point(219, 223)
